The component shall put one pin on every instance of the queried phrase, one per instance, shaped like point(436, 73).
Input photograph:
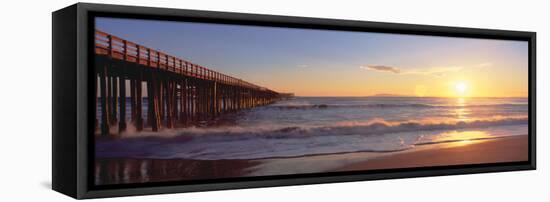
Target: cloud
point(381, 68)
point(434, 71)
point(485, 64)
point(443, 71)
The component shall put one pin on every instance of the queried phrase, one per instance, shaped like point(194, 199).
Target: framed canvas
point(156, 100)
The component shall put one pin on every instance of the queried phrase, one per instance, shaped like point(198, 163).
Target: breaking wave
point(372, 127)
point(377, 135)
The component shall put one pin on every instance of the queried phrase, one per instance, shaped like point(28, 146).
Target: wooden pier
point(179, 93)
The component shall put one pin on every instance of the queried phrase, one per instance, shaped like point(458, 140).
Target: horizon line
point(412, 96)
point(400, 96)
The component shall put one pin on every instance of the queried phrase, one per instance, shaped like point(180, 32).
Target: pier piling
point(178, 92)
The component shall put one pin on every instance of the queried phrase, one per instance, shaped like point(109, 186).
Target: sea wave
point(372, 127)
point(269, 141)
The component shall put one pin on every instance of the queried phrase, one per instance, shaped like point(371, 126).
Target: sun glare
point(461, 87)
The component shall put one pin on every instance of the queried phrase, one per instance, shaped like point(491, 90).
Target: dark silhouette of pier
point(179, 93)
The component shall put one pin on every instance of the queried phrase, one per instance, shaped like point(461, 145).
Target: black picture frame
point(72, 40)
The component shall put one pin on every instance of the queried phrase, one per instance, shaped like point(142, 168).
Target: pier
point(178, 93)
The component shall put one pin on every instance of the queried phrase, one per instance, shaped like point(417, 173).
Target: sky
point(310, 62)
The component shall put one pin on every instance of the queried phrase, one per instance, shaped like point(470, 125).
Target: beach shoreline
point(499, 150)
point(131, 170)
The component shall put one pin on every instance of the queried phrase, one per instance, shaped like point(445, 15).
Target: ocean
point(304, 126)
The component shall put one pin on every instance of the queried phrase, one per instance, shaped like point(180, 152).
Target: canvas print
point(185, 101)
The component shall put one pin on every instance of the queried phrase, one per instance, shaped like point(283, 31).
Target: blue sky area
point(299, 60)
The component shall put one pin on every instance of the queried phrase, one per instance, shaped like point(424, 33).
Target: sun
point(461, 88)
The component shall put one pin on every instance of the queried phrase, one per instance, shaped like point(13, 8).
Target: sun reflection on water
point(461, 138)
point(461, 143)
point(462, 113)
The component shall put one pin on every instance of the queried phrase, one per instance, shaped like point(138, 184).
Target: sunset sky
point(311, 62)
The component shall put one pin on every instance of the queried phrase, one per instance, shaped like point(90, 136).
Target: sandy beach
point(508, 149)
point(128, 170)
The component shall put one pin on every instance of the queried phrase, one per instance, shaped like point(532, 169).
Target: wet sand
point(509, 149)
point(128, 170)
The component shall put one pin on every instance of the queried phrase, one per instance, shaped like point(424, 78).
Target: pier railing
point(118, 48)
point(179, 93)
